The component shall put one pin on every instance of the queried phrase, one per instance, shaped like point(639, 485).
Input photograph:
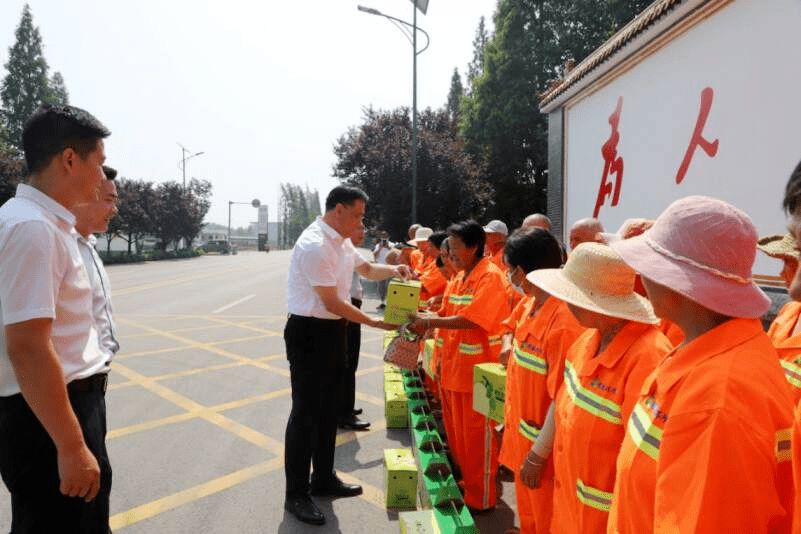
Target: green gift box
point(419, 522)
point(396, 409)
point(402, 301)
point(489, 390)
point(401, 478)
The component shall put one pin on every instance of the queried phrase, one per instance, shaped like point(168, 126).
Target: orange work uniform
point(672, 331)
point(416, 257)
point(707, 447)
point(533, 376)
point(592, 408)
point(796, 444)
point(481, 299)
point(788, 346)
point(432, 280)
point(497, 259)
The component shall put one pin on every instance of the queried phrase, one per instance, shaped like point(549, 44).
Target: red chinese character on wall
point(697, 139)
point(612, 163)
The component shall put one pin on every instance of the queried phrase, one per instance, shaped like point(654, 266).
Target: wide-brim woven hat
point(704, 249)
point(779, 246)
point(597, 279)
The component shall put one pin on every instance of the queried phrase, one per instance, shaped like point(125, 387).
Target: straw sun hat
point(779, 246)
point(596, 279)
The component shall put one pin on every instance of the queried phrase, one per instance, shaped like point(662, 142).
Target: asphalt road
point(198, 401)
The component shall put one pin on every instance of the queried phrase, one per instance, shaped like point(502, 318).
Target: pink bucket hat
point(704, 249)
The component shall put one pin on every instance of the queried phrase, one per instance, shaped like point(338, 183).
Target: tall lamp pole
point(185, 158)
point(411, 35)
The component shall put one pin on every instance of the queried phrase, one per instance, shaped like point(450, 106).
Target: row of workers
point(670, 412)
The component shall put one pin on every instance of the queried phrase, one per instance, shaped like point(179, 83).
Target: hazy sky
point(263, 87)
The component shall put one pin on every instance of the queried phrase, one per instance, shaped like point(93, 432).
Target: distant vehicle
point(220, 246)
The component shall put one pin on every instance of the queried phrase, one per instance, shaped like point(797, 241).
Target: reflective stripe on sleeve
point(646, 436)
point(792, 372)
point(528, 431)
point(529, 361)
point(589, 401)
point(470, 349)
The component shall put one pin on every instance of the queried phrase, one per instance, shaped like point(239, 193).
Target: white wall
point(749, 54)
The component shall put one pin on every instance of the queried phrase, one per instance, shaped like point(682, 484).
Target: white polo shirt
point(320, 258)
point(42, 276)
point(102, 311)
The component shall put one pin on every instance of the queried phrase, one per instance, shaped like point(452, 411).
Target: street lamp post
point(412, 37)
point(255, 203)
point(185, 158)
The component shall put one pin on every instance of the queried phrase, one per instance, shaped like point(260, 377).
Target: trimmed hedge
point(155, 255)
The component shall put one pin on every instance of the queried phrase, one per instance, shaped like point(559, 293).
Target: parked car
point(220, 246)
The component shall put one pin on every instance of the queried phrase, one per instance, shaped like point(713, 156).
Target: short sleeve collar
point(49, 205)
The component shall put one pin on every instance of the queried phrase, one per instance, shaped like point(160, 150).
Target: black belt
point(305, 319)
point(98, 382)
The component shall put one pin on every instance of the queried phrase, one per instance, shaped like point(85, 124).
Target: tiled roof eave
point(662, 14)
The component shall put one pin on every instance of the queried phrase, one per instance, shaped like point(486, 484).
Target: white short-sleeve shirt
point(42, 276)
point(102, 310)
point(320, 258)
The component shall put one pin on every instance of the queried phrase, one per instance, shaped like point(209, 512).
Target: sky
point(264, 88)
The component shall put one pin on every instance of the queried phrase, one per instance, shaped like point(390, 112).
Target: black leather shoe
point(304, 510)
point(335, 488)
point(354, 423)
point(357, 411)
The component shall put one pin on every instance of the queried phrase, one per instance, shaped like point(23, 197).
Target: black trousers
point(29, 468)
point(347, 382)
point(315, 349)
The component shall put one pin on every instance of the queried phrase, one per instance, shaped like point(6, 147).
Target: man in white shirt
point(319, 305)
point(90, 219)
point(52, 374)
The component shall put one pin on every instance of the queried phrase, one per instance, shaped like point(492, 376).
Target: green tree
point(298, 208)
point(26, 84)
point(455, 94)
point(58, 90)
point(376, 157)
point(138, 206)
point(12, 169)
point(476, 66)
point(500, 118)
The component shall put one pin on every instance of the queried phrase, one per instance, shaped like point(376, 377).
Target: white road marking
point(227, 306)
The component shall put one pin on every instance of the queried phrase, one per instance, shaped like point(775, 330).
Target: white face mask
point(516, 287)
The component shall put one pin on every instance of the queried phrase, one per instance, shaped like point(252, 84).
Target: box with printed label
point(419, 522)
point(402, 301)
point(396, 408)
point(489, 390)
point(401, 478)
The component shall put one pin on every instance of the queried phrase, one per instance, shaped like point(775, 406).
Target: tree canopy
point(376, 157)
point(298, 208)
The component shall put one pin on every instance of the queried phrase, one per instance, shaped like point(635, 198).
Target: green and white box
point(489, 390)
point(402, 301)
point(401, 478)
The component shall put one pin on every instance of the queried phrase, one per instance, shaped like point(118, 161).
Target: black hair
point(532, 249)
point(437, 238)
point(438, 261)
point(110, 172)
point(471, 233)
point(344, 194)
point(53, 128)
point(792, 192)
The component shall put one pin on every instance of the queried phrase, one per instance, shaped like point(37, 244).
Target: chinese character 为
point(612, 163)
point(697, 139)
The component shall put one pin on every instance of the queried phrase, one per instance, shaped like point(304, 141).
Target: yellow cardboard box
point(402, 300)
point(428, 353)
point(489, 390)
point(400, 478)
point(396, 408)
